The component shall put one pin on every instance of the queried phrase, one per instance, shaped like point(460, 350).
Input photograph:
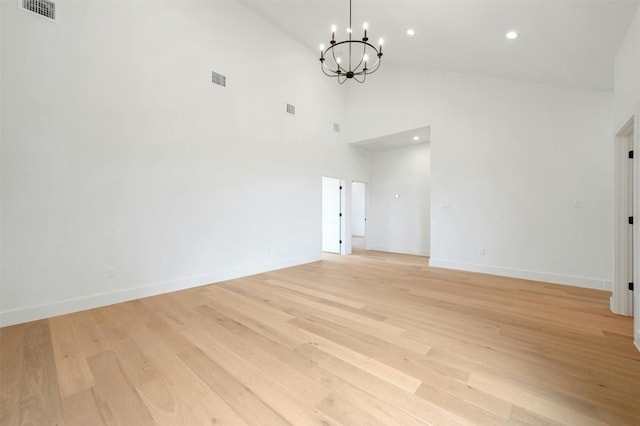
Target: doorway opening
point(358, 215)
point(332, 215)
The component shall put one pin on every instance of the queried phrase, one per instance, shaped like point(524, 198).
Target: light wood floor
point(368, 339)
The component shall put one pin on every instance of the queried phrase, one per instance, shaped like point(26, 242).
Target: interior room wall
point(626, 93)
point(390, 102)
point(522, 174)
point(125, 172)
point(626, 104)
point(522, 180)
point(399, 215)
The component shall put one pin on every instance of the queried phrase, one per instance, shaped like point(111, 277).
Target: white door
point(331, 214)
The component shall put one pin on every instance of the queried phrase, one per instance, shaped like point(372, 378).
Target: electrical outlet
point(482, 251)
point(111, 273)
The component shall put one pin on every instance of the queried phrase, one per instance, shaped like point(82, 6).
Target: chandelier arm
point(330, 73)
point(324, 70)
point(364, 52)
point(333, 53)
point(375, 67)
point(355, 69)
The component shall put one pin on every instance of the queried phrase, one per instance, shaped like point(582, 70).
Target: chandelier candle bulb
point(333, 34)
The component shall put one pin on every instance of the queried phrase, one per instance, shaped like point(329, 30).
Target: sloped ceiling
point(564, 42)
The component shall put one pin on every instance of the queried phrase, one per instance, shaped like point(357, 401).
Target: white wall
point(392, 101)
point(508, 161)
point(627, 76)
point(402, 224)
point(626, 104)
point(118, 152)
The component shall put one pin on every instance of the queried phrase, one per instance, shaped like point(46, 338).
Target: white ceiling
point(565, 42)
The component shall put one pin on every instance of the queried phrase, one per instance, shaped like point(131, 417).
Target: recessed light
point(416, 138)
point(511, 35)
point(411, 32)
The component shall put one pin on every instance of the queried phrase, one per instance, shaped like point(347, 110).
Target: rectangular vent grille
point(291, 109)
point(336, 127)
point(218, 79)
point(44, 8)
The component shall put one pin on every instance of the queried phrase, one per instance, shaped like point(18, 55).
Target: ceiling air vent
point(336, 127)
point(291, 109)
point(44, 8)
point(218, 79)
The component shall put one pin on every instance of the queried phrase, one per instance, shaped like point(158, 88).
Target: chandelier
point(350, 59)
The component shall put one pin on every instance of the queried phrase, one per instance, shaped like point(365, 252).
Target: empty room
point(319, 212)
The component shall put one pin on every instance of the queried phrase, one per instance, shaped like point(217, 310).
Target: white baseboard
point(32, 313)
point(571, 280)
point(419, 252)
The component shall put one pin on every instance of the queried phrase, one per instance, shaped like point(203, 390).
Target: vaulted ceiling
point(565, 42)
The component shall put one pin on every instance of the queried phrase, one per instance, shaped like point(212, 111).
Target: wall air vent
point(291, 109)
point(44, 8)
point(218, 79)
point(336, 127)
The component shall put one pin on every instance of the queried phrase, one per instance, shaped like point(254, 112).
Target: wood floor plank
point(40, 401)
point(462, 407)
point(417, 407)
point(81, 409)
point(288, 393)
point(371, 338)
point(239, 397)
point(180, 393)
point(74, 374)
point(520, 397)
point(117, 400)
point(11, 366)
point(346, 397)
point(90, 337)
point(135, 365)
point(307, 390)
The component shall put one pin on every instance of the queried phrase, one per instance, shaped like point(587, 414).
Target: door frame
point(366, 206)
point(343, 215)
point(622, 298)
